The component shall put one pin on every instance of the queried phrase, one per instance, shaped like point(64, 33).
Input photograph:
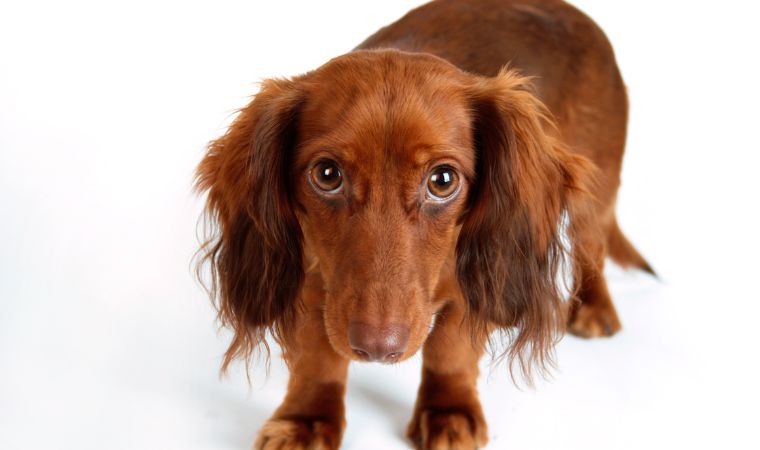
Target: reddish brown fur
point(427, 90)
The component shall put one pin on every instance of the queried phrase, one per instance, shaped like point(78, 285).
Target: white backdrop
point(107, 342)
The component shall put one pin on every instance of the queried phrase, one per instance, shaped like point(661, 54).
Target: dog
point(450, 182)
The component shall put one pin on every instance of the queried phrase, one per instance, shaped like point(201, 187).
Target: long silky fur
point(252, 240)
point(511, 253)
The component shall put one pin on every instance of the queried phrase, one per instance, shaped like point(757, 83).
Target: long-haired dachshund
point(452, 179)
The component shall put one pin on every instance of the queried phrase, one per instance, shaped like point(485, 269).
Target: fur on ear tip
point(526, 360)
point(511, 250)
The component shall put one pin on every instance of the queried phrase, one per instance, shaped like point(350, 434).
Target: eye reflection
point(442, 182)
point(326, 176)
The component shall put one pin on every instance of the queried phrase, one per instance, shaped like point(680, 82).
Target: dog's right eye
point(442, 183)
point(326, 176)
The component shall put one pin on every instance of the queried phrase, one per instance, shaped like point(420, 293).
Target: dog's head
point(390, 176)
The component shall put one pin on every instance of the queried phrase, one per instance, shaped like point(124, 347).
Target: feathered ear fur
point(254, 251)
point(529, 191)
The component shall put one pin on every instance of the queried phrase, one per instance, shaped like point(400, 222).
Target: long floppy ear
point(529, 192)
point(254, 250)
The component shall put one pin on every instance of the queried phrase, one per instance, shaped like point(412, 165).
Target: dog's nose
point(385, 344)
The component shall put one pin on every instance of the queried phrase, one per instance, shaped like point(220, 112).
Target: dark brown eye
point(326, 176)
point(442, 182)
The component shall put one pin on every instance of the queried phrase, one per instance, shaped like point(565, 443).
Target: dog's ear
point(521, 225)
point(254, 248)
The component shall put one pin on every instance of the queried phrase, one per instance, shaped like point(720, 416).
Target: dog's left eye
point(326, 176)
point(442, 183)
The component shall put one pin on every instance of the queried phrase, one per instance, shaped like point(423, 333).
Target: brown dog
point(416, 194)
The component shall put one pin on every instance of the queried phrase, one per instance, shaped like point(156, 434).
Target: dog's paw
point(452, 429)
point(298, 434)
point(590, 321)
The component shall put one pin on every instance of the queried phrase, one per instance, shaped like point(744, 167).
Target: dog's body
point(415, 178)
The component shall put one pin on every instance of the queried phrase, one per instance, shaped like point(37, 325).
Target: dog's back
point(570, 60)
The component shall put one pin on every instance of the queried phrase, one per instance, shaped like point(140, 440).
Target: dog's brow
point(423, 154)
point(327, 148)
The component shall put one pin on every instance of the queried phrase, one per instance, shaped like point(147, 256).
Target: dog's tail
point(623, 252)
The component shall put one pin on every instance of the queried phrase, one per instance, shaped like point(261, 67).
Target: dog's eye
point(442, 182)
point(326, 176)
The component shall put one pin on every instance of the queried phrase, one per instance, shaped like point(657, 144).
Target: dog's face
point(400, 182)
point(382, 167)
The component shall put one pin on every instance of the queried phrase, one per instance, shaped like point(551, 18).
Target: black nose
point(385, 344)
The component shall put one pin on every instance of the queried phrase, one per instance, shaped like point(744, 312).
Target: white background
point(106, 341)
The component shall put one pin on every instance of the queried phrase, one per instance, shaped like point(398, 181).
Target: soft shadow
point(399, 413)
point(232, 419)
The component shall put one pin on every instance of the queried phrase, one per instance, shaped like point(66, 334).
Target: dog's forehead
point(386, 104)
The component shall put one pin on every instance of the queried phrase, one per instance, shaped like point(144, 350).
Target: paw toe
point(448, 430)
point(591, 321)
point(297, 435)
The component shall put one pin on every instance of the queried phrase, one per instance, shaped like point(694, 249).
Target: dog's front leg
point(448, 414)
point(312, 414)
